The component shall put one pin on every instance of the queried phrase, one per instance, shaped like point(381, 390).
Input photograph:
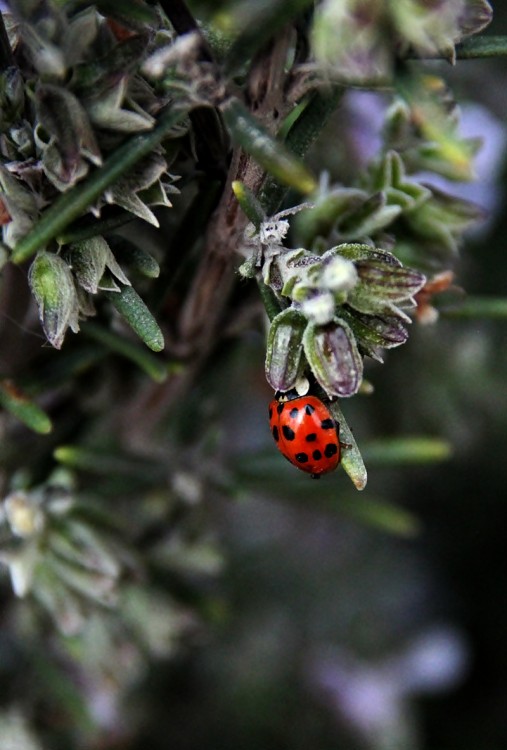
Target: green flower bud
point(284, 349)
point(12, 97)
point(23, 514)
point(320, 219)
point(106, 111)
point(376, 332)
point(348, 40)
point(434, 28)
point(400, 192)
point(52, 286)
point(370, 217)
point(334, 358)
point(65, 135)
point(89, 260)
point(386, 282)
point(443, 219)
point(475, 16)
point(20, 205)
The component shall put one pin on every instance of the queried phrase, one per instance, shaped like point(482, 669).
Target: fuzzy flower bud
point(334, 359)
point(284, 349)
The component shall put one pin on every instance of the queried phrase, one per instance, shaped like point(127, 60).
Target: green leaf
point(135, 257)
point(407, 450)
point(249, 203)
point(271, 154)
point(482, 46)
point(381, 515)
point(13, 400)
point(132, 308)
point(98, 462)
point(351, 459)
point(475, 307)
point(151, 365)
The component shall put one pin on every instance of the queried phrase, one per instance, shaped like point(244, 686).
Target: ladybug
point(305, 433)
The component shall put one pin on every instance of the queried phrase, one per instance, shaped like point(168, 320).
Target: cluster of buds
point(349, 302)
point(70, 94)
point(51, 550)
point(428, 222)
point(77, 563)
point(358, 41)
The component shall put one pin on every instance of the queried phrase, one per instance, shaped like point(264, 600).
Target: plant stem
point(269, 300)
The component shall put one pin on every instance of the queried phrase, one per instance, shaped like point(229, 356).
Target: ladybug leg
point(315, 476)
point(345, 445)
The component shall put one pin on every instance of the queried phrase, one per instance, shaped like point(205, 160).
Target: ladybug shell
point(306, 434)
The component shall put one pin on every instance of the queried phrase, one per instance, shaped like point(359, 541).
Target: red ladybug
point(306, 434)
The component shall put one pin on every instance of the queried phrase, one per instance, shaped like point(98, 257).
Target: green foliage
point(123, 458)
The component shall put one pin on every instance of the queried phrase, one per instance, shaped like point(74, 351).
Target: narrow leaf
point(478, 307)
point(381, 515)
point(271, 154)
point(351, 459)
point(249, 203)
point(407, 450)
point(132, 308)
point(13, 400)
point(152, 366)
point(135, 257)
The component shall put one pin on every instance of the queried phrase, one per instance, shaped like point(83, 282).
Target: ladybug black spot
point(275, 433)
point(309, 409)
point(293, 412)
point(331, 449)
point(327, 424)
point(279, 408)
point(311, 437)
point(316, 455)
point(288, 433)
point(301, 458)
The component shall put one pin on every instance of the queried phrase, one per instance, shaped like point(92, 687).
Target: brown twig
point(206, 302)
point(213, 281)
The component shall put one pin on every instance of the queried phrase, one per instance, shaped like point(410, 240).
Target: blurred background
point(289, 613)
